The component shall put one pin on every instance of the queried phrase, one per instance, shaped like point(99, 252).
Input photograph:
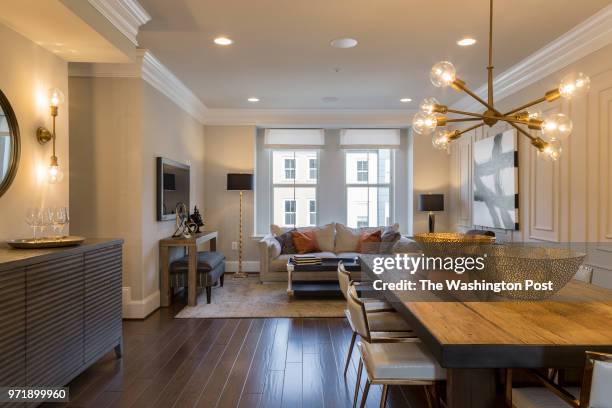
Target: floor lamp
point(431, 203)
point(240, 182)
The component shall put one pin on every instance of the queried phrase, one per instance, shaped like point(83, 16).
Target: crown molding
point(151, 70)
point(162, 79)
point(309, 117)
point(587, 37)
point(126, 15)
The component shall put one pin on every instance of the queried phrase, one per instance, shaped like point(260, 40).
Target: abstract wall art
point(496, 181)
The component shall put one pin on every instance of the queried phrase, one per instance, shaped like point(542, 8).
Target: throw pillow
point(388, 239)
point(347, 239)
point(325, 237)
point(305, 242)
point(286, 243)
point(369, 242)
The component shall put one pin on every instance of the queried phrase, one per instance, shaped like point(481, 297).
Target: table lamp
point(240, 182)
point(431, 202)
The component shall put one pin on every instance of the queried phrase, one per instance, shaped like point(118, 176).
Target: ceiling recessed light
point(464, 42)
point(253, 99)
point(223, 41)
point(405, 100)
point(330, 99)
point(344, 43)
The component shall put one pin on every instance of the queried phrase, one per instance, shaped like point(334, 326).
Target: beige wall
point(105, 179)
point(120, 125)
point(27, 71)
point(171, 133)
point(229, 149)
point(569, 200)
point(430, 175)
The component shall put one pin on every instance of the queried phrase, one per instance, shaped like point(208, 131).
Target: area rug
point(249, 298)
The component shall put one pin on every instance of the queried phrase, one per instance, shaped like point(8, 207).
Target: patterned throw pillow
point(389, 237)
point(286, 242)
point(369, 242)
point(305, 242)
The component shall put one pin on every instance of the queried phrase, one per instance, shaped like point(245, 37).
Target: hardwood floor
point(267, 363)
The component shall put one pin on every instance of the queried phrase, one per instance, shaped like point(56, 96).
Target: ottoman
point(210, 270)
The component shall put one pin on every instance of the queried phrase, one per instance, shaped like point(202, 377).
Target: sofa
point(334, 241)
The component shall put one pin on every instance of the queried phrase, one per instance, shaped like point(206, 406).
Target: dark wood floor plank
point(272, 395)
point(249, 401)
point(232, 392)
point(182, 376)
point(292, 386)
point(212, 391)
point(162, 377)
point(294, 343)
point(204, 371)
point(312, 382)
point(278, 353)
point(257, 375)
point(309, 336)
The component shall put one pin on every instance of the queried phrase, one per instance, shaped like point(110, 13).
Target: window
point(289, 212)
point(312, 169)
point(312, 212)
point(293, 187)
point(368, 187)
point(289, 169)
point(362, 171)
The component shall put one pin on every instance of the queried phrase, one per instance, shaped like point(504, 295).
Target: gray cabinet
point(61, 311)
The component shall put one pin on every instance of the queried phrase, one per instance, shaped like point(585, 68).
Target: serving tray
point(31, 243)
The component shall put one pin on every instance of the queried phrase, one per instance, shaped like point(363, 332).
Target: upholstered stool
point(210, 270)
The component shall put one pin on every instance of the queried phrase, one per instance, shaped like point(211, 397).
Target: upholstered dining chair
point(391, 360)
point(595, 392)
point(384, 320)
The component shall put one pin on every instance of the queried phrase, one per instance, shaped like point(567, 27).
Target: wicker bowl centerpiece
point(453, 244)
point(517, 263)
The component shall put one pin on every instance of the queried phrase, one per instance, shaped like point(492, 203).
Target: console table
point(191, 244)
point(61, 311)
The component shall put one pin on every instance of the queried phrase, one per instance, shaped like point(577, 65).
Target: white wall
point(27, 72)
point(566, 201)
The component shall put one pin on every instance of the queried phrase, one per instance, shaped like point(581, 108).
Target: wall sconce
point(54, 172)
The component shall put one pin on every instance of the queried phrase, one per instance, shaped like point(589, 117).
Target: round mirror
point(9, 144)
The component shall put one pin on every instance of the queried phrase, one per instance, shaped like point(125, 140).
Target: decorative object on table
point(554, 127)
point(496, 181)
point(43, 135)
point(184, 226)
point(9, 144)
point(51, 217)
point(240, 182)
point(431, 203)
point(307, 260)
point(515, 263)
point(196, 218)
point(37, 243)
point(453, 244)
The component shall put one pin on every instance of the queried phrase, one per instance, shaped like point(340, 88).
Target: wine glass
point(32, 219)
point(61, 218)
point(46, 220)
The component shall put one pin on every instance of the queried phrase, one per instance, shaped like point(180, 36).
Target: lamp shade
point(431, 202)
point(239, 181)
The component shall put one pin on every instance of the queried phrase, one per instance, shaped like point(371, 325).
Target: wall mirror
point(9, 144)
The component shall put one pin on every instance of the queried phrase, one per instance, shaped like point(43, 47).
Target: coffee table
point(322, 280)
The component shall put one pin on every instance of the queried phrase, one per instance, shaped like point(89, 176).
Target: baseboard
point(247, 266)
point(139, 309)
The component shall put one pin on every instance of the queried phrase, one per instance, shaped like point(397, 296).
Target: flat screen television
point(172, 187)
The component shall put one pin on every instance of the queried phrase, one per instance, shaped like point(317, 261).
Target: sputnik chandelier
point(553, 128)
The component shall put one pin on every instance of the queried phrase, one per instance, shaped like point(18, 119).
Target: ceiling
point(55, 27)
point(281, 52)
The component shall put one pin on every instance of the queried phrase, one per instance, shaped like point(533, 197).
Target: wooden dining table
point(474, 339)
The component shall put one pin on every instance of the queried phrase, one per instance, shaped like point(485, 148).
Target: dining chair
point(390, 360)
point(384, 320)
point(595, 392)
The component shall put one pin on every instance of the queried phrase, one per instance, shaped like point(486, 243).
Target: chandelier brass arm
point(554, 127)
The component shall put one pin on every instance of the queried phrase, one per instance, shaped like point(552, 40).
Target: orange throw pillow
point(305, 242)
point(369, 242)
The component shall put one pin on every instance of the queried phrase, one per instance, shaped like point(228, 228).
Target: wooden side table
point(192, 247)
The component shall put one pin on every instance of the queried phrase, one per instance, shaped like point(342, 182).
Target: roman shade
point(370, 138)
point(294, 138)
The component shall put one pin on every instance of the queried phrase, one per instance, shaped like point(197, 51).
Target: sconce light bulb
point(56, 97)
point(54, 174)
